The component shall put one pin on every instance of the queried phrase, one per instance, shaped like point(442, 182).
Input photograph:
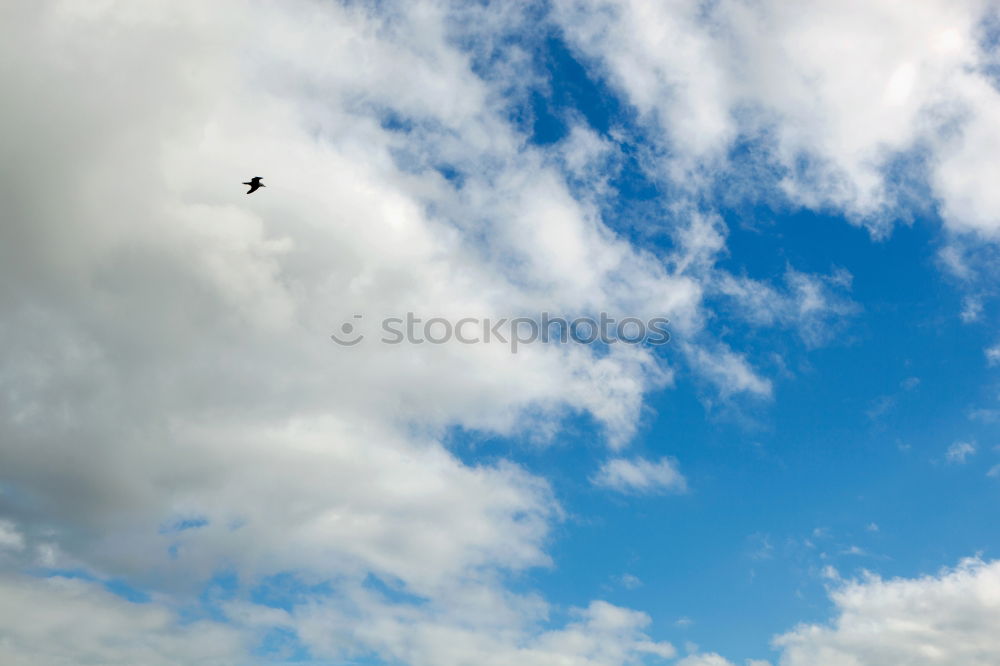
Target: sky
point(194, 471)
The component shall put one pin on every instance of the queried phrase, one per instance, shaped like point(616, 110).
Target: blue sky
point(193, 472)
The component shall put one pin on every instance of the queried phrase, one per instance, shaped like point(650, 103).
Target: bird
point(254, 184)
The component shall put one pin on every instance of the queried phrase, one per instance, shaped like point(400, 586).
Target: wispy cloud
point(959, 452)
point(630, 581)
point(972, 309)
point(640, 476)
point(992, 354)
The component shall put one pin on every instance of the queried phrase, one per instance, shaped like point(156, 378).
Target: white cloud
point(815, 306)
point(993, 355)
point(152, 269)
point(640, 476)
point(487, 633)
point(984, 415)
point(730, 372)
point(630, 581)
point(972, 309)
point(62, 622)
point(709, 659)
point(958, 452)
point(686, 94)
point(830, 572)
point(928, 621)
point(910, 93)
point(761, 547)
point(939, 620)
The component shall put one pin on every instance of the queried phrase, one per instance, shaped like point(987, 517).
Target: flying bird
point(254, 184)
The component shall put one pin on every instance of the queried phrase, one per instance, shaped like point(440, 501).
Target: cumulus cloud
point(63, 621)
point(599, 635)
point(931, 620)
point(167, 337)
point(172, 404)
point(169, 351)
point(926, 621)
point(909, 104)
point(640, 476)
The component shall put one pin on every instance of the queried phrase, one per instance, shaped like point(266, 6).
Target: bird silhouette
point(254, 184)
